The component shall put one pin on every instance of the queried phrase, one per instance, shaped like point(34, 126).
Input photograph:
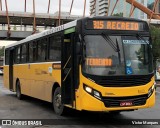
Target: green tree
point(155, 33)
point(118, 14)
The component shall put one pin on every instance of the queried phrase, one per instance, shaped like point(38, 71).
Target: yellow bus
point(93, 64)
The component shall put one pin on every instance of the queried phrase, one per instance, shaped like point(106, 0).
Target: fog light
point(97, 94)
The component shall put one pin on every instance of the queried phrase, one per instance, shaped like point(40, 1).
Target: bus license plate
point(126, 103)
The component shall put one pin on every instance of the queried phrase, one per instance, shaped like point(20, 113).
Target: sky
point(42, 6)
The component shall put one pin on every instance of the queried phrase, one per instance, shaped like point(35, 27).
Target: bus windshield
point(117, 55)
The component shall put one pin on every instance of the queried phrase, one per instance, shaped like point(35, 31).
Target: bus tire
point(59, 108)
point(18, 91)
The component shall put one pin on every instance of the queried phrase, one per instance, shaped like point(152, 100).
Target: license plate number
point(126, 103)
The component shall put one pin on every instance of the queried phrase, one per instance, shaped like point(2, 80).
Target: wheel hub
point(58, 101)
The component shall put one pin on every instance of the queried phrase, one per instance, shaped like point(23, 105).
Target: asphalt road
point(30, 108)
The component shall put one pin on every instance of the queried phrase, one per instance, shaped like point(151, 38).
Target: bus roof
point(116, 18)
point(44, 33)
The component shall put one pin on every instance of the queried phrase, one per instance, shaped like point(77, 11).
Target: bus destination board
point(115, 25)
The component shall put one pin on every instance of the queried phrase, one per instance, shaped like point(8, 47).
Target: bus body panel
point(35, 79)
point(119, 91)
point(6, 76)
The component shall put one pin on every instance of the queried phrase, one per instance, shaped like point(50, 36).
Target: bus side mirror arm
point(78, 50)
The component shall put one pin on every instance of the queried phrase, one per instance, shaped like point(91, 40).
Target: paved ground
point(29, 108)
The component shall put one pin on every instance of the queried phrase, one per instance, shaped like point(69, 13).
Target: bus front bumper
point(91, 103)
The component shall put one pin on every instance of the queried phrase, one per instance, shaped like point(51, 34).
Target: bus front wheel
point(18, 90)
point(59, 108)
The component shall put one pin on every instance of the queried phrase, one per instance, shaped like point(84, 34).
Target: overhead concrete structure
point(16, 35)
point(14, 23)
point(42, 19)
point(21, 21)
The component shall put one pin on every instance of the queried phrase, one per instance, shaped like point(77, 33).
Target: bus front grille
point(124, 81)
point(115, 101)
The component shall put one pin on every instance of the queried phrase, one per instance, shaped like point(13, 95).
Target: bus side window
point(31, 52)
point(51, 48)
point(39, 51)
point(35, 51)
point(6, 57)
point(18, 53)
point(55, 48)
point(42, 50)
point(24, 53)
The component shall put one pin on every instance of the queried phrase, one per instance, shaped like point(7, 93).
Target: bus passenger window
point(39, 51)
point(30, 52)
point(24, 53)
point(18, 50)
point(6, 57)
point(55, 48)
point(42, 50)
point(33, 51)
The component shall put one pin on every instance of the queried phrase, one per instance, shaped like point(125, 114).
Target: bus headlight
point(92, 92)
point(88, 89)
point(151, 90)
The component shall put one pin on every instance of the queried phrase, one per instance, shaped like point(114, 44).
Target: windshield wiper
point(118, 50)
point(111, 43)
point(140, 37)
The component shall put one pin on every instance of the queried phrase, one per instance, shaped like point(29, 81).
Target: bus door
point(67, 67)
point(11, 60)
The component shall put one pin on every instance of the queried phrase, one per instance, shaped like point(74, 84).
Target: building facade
point(103, 7)
point(151, 5)
point(124, 7)
point(99, 7)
